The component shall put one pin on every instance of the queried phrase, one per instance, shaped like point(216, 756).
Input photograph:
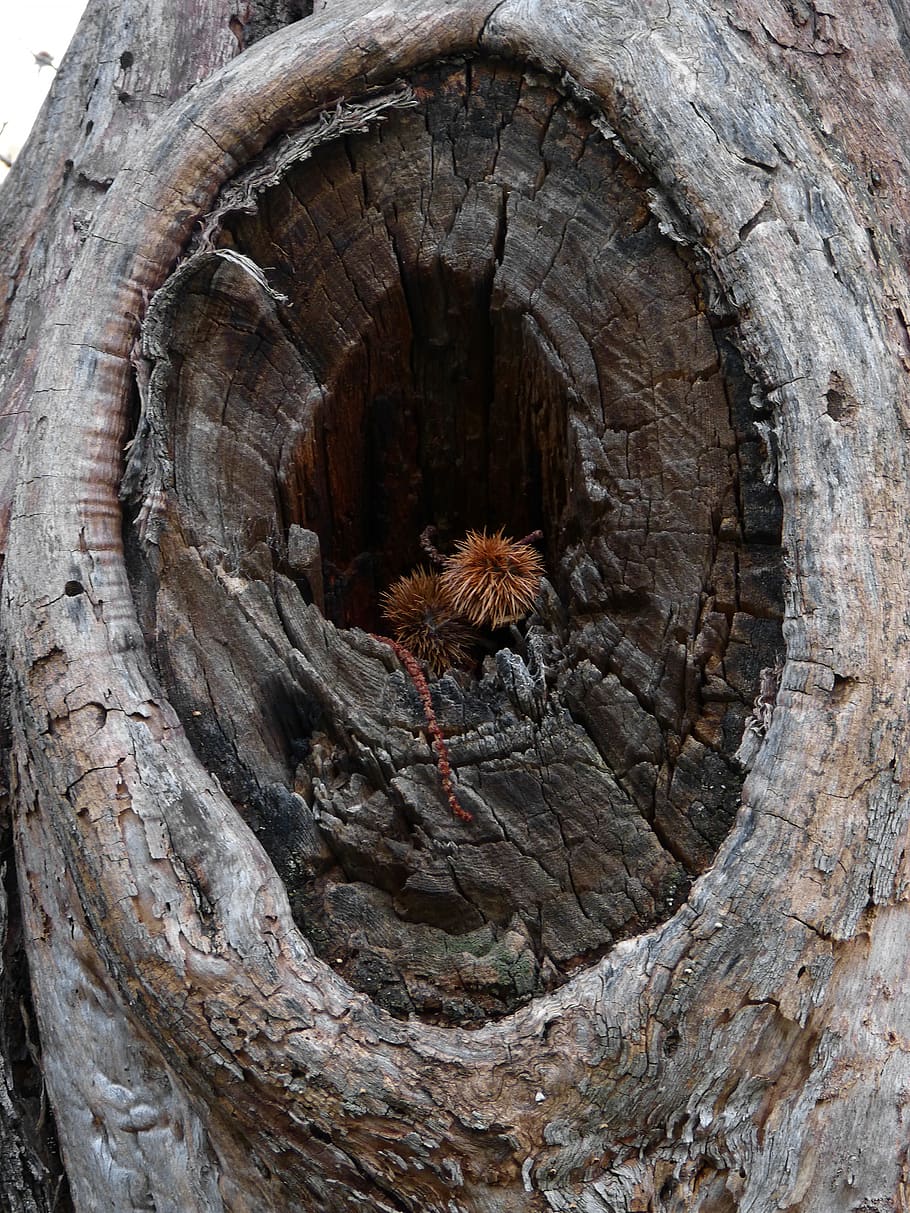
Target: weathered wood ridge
point(733, 267)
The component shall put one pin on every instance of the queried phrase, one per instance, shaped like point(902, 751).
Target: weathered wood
point(26, 1181)
point(440, 360)
point(723, 1059)
point(122, 70)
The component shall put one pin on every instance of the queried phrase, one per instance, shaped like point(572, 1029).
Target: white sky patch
point(30, 28)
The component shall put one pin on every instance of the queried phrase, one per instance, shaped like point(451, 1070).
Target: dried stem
point(426, 542)
point(412, 666)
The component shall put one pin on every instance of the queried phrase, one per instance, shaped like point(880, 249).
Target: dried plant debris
point(424, 620)
point(415, 673)
point(488, 582)
point(493, 580)
point(768, 687)
point(759, 721)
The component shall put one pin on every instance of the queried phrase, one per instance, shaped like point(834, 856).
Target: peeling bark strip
point(347, 118)
point(722, 1060)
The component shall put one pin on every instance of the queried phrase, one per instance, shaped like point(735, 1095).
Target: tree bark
point(632, 276)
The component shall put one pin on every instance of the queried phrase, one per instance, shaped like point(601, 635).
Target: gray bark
point(748, 1050)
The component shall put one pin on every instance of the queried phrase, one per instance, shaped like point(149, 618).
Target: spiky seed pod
point(422, 619)
point(492, 580)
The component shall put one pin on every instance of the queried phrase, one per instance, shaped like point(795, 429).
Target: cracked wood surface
point(726, 1058)
point(490, 327)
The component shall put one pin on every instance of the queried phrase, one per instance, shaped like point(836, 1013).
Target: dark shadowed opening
point(422, 425)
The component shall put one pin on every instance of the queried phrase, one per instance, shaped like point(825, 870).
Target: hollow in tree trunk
point(603, 905)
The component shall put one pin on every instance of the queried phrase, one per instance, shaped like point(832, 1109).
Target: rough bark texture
point(612, 274)
point(126, 65)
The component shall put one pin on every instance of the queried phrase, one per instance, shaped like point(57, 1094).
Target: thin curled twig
point(427, 536)
point(415, 673)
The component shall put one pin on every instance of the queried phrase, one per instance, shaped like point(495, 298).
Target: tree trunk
point(629, 276)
